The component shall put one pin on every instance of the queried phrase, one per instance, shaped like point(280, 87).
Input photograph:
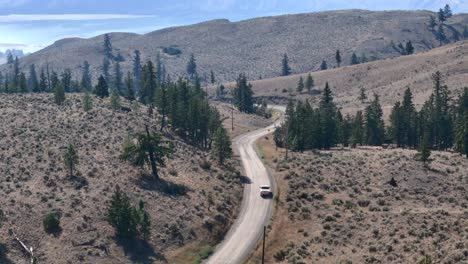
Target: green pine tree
point(309, 84)
point(87, 102)
point(285, 69)
point(101, 89)
point(221, 145)
point(70, 159)
point(59, 94)
point(115, 100)
point(300, 85)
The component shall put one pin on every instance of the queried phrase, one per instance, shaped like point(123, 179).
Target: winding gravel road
point(255, 212)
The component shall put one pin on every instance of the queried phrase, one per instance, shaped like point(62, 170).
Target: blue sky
point(34, 24)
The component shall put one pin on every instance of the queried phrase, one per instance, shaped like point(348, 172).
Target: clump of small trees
point(128, 221)
point(439, 125)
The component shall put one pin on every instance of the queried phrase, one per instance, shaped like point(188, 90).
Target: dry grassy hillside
point(388, 78)
point(338, 207)
point(256, 46)
point(192, 209)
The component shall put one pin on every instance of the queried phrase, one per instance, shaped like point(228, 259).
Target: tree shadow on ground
point(3, 255)
point(163, 186)
point(245, 179)
point(140, 251)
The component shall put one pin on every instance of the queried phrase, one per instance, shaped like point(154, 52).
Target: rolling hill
point(387, 78)
point(256, 46)
point(192, 209)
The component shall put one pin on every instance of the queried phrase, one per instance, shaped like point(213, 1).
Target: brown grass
point(337, 207)
point(34, 182)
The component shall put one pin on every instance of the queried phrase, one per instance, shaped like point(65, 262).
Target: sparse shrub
point(363, 203)
point(425, 260)
point(205, 252)
point(51, 223)
point(205, 164)
point(280, 255)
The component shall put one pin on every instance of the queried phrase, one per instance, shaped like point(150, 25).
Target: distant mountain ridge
point(256, 46)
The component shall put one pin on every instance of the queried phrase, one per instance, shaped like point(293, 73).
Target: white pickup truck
point(265, 191)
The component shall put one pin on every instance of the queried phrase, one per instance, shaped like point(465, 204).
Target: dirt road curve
point(256, 211)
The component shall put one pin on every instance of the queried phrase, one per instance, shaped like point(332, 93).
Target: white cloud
point(66, 17)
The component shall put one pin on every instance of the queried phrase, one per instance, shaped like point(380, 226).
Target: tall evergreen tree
point(107, 47)
point(441, 15)
point(375, 129)
point(106, 69)
point(115, 99)
point(23, 83)
point(285, 69)
point(396, 129)
point(432, 22)
point(192, 66)
point(300, 85)
point(212, 77)
point(16, 73)
point(448, 11)
point(59, 93)
point(243, 95)
point(118, 79)
point(66, 79)
point(328, 121)
point(409, 48)
point(10, 59)
point(130, 92)
point(424, 151)
point(309, 84)
point(354, 59)
point(465, 32)
point(357, 133)
point(338, 58)
point(86, 84)
point(222, 145)
point(440, 35)
point(324, 65)
point(461, 131)
point(159, 69)
point(70, 159)
point(101, 89)
point(33, 82)
point(87, 102)
point(362, 95)
point(148, 84)
point(409, 120)
point(137, 69)
point(43, 85)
